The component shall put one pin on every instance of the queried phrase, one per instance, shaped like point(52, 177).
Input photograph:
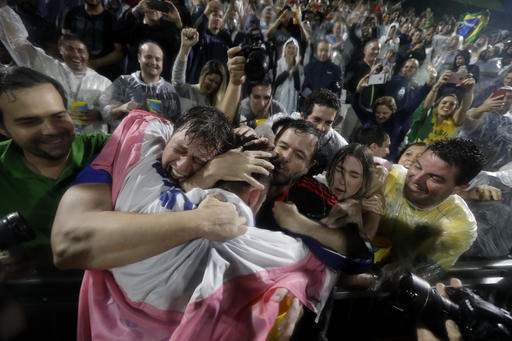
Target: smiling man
point(83, 86)
point(144, 89)
point(43, 154)
point(423, 196)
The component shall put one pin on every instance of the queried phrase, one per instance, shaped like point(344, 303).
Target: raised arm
point(490, 104)
point(432, 95)
point(467, 99)
point(189, 37)
point(88, 234)
point(13, 35)
point(236, 67)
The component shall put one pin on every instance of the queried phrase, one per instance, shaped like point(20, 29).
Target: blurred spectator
point(288, 25)
point(145, 23)
point(144, 89)
point(374, 138)
point(97, 28)
point(490, 126)
point(461, 64)
point(290, 76)
point(83, 85)
point(213, 41)
point(439, 116)
point(410, 153)
point(321, 72)
point(212, 81)
point(389, 41)
point(340, 44)
point(384, 115)
point(259, 105)
point(357, 69)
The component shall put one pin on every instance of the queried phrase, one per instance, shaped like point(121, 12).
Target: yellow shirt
point(451, 218)
point(441, 130)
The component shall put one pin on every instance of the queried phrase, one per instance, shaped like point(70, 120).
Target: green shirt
point(36, 197)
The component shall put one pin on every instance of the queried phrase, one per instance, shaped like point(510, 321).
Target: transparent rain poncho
point(159, 98)
point(493, 134)
point(83, 90)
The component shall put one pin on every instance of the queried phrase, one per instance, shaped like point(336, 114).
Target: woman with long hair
point(213, 78)
point(439, 117)
point(352, 185)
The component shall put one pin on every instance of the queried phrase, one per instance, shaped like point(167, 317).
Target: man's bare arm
point(86, 232)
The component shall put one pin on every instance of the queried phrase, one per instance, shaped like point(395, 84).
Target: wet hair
point(462, 154)
point(407, 146)
point(322, 97)
point(368, 135)
point(15, 78)
point(207, 125)
point(301, 127)
point(359, 152)
point(387, 101)
point(239, 187)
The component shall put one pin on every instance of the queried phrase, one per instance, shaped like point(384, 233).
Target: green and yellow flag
point(472, 24)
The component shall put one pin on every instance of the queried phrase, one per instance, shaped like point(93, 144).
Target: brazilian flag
point(472, 24)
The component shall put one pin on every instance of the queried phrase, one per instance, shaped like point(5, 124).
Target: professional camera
point(259, 56)
point(477, 319)
point(14, 230)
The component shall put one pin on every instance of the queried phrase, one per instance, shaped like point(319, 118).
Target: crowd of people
point(197, 193)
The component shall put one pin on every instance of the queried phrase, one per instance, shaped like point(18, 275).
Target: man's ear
point(254, 197)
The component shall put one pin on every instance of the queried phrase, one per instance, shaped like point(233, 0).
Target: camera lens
point(14, 230)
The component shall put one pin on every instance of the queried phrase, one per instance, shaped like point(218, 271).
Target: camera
point(14, 230)
point(476, 318)
point(259, 56)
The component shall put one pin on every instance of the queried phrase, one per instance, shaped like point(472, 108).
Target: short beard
point(290, 180)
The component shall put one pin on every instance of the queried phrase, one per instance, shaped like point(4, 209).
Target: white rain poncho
point(287, 92)
point(202, 290)
point(82, 90)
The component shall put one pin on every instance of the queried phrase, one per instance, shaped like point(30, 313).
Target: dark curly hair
point(322, 97)
point(207, 125)
point(460, 153)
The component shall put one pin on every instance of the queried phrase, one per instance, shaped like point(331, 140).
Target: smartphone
point(159, 5)
point(499, 93)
